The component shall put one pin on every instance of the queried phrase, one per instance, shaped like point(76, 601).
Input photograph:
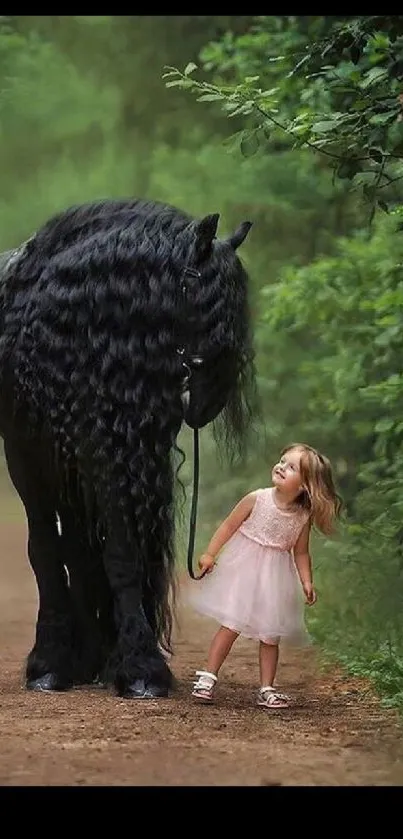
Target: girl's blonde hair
point(319, 494)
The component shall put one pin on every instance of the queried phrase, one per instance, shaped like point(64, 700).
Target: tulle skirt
point(253, 590)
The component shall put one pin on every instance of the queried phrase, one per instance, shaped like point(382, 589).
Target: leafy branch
point(342, 99)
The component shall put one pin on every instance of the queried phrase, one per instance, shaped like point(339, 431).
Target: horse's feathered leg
point(137, 668)
point(91, 598)
point(50, 662)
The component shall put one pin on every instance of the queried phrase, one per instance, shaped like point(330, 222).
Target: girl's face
point(286, 473)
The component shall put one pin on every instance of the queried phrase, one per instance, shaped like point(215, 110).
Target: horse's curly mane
point(92, 318)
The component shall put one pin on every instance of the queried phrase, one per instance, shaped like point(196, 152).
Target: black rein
point(187, 364)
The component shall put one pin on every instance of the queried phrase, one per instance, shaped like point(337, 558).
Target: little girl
point(254, 589)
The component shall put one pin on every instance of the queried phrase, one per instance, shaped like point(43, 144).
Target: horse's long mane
point(92, 318)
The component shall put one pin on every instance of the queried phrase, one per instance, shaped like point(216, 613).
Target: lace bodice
point(272, 527)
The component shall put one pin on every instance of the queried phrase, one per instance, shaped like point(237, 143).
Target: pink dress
point(254, 588)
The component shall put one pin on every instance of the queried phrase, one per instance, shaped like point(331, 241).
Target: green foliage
point(55, 148)
point(337, 93)
point(60, 184)
point(342, 315)
point(350, 307)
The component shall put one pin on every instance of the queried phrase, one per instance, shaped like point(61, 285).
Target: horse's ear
point(240, 234)
point(206, 230)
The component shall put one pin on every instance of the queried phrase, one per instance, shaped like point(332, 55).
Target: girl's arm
point(303, 562)
point(227, 529)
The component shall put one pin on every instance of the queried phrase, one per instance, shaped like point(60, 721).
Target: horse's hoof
point(48, 682)
point(140, 690)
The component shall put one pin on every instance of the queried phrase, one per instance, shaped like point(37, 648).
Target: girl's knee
point(230, 632)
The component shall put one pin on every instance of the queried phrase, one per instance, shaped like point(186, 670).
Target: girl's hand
point(310, 594)
point(206, 563)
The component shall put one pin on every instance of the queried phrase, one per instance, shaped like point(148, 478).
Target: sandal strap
point(206, 680)
point(271, 691)
point(272, 699)
point(206, 673)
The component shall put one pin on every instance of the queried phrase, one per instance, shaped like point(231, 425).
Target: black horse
point(119, 320)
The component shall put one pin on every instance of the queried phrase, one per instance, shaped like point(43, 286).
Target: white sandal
point(271, 699)
point(203, 688)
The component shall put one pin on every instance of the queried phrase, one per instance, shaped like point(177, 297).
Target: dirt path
point(335, 735)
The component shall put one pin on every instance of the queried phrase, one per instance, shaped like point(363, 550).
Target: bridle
point(189, 362)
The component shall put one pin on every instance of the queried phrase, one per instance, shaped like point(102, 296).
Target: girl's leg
point(269, 697)
point(268, 662)
point(219, 648)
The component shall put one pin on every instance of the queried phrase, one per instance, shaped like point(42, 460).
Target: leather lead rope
point(193, 511)
point(192, 272)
